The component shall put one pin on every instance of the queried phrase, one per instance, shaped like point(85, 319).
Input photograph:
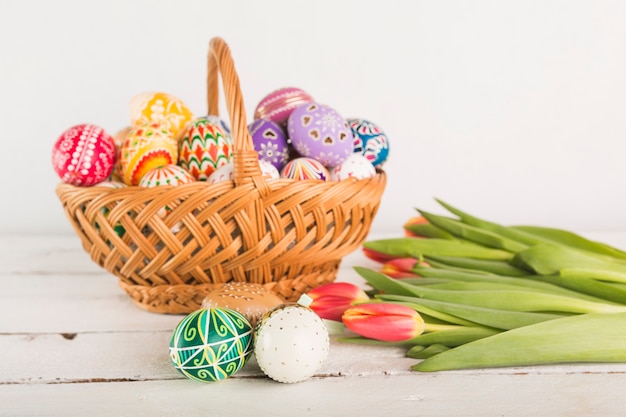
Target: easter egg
point(211, 344)
point(356, 166)
point(227, 172)
point(203, 148)
point(317, 131)
point(146, 147)
point(291, 343)
point(268, 170)
point(84, 155)
point(223, 173)
point(166, 175)
point(304, 168)
point(270, 142)
point(162, 108)
point(370, 141)
point(220, 122)
point(251, 300)
point(278, 105)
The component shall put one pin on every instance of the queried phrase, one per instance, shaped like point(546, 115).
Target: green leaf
point(499, 319)
point(473, 233)
point(573, 240)
point(513, 300)
point(584, 338)
point(423, 352)
point(550, 259)
point(419, 247)
point(429, 231)
point(485, 265)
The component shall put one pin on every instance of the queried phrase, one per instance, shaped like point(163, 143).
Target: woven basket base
point(184, 299)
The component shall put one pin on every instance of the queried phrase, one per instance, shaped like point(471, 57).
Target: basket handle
point(245, 158)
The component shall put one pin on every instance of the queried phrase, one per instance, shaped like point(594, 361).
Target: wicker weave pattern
point(288, 235)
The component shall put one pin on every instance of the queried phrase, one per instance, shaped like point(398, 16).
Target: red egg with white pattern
point(84, 155)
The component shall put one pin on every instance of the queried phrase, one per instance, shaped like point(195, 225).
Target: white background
point(511, 110)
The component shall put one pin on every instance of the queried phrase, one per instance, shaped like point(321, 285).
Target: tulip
point(401, 268)
point(384, 321)
point(330, 300)
point(413, 221)
point(377, 256)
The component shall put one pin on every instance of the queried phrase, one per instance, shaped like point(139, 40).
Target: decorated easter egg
point(166, 175)
point(278, 105)
point(317, 131)
point(223, 173)
point(162, 108)
point(84, 155)
point(220, 122)
point(304, 168)
point(370, 141)
point(227, 172)
point(203, 148)
point(251, 300)
point(270, 142)
point(146, 147)
point(268, 170)
point(291, 343)
point(356, 166)
point(211, 344)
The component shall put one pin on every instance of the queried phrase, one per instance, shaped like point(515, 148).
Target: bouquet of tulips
point(461, 292)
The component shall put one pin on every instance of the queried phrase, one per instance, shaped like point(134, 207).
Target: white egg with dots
point(291, 343)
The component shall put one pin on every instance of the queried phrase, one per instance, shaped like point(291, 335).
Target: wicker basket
point(287, 235)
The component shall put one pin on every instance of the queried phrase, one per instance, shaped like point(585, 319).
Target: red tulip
point(384, 321)
point(400, 268)
point(330, 300)
point(377, 256)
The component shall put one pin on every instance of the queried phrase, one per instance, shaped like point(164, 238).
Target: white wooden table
point(73, 344)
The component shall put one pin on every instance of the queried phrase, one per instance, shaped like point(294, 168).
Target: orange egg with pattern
point(203, 148)
point(146, 147)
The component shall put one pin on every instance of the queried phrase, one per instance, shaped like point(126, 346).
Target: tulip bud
point(384, 321)
point(417, 220)
point(400, 268)
point(377, 256)
point(330, 300)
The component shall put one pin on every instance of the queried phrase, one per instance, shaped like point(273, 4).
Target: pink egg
point(84, 155)
point(304, 168)
point(356, 166)
point(317, 131)
point(278, 105)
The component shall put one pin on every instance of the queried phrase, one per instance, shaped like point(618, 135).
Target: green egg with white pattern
point(211, 344)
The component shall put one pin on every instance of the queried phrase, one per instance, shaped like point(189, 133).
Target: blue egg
point(370, 141)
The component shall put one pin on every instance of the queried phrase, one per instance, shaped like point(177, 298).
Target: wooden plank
point(452, 395)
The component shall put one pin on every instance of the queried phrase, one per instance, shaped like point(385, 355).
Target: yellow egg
point(146, 147)
point(162, 108)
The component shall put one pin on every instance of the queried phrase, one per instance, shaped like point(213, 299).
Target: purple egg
point(270, 142)
point(319, 132)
